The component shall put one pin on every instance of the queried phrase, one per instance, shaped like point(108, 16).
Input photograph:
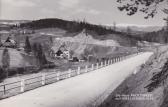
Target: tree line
point(77, 26)
point(71, 26)
point(37, 50)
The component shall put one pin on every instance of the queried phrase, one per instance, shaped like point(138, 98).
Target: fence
point(10, 89)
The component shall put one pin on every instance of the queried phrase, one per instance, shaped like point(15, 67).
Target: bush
point(50, 65)
point(75, 59)
point(2, 74)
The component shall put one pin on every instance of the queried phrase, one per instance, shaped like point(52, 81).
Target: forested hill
point(77, 26)
point(70, 26)
point(160, 36)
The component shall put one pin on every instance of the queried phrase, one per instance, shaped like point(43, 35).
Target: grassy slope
point(99, 47)
point(16, 58)
point(123, 40)
point(136, 84)
point(95, 50)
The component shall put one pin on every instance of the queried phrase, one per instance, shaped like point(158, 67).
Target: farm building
point(61, 52)
point(10, 43)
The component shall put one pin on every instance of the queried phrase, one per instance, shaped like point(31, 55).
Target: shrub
point(2, 74)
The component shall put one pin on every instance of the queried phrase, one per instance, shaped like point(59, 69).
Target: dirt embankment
point(147, 88)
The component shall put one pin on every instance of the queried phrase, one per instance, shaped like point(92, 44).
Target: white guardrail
point(14, 88)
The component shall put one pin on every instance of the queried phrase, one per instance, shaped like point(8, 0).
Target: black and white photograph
point(83, 53)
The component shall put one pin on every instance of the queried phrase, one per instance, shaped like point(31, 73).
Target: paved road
point(78, 91)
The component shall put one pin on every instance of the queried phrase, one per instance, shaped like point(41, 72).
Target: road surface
point(78, 91)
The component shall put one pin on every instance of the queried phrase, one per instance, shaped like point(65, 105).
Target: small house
point(10, 43)
point(61, 52)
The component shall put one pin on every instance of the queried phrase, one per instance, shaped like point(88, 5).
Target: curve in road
point(78, 91)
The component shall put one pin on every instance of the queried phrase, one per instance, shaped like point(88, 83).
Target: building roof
point(9, 42)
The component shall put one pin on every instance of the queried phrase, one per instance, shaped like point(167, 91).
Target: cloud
point(95, 12)
point(66, 4)
point(19, 3)
point(88, 11)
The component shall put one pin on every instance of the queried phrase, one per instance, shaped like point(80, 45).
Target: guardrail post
point(86, 68)
point(69, 73)
point(108, 62)
point(78, 72)
point(43, 79)
point(101, 64)
point(92, 66)
point(111, 61)
point(105, 63)
point(58, 74)
point(22, 85)
point(4, 89)
point(97, 65)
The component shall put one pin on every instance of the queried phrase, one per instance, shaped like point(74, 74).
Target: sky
point(102, 12)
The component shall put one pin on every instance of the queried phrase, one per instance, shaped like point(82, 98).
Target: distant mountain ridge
point(120, 27)
point(13, 22)
point(143, 29)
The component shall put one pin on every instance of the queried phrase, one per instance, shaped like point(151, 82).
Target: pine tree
point(39, 55)
point(42, 56)
point(5, 61)
point(35, 51)
point(27, 45)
